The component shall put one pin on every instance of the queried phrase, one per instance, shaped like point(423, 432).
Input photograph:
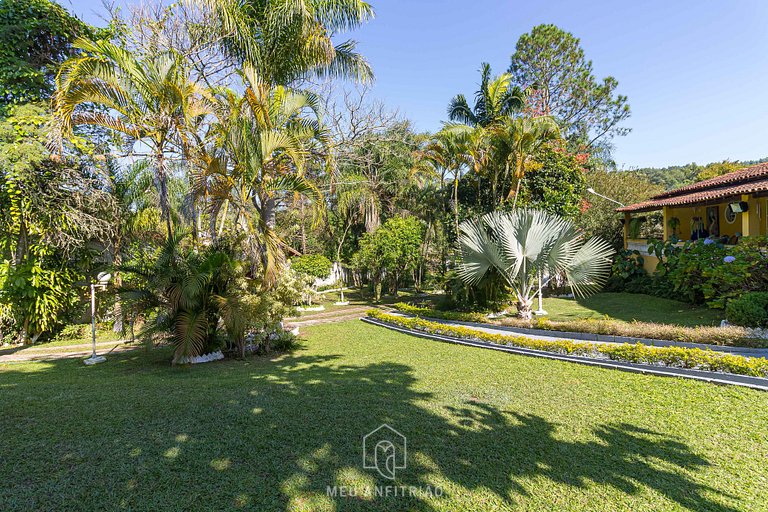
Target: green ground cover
point(494, 431)
point(631, 306)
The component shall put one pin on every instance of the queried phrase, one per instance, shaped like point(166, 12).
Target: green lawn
point(631, 306)
point(494, 431)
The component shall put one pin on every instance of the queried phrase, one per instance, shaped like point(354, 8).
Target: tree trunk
point(118, 309)
point(456, 204)
point(303, 230)
point(21, 245)
point(525, 309)
point(165, 205)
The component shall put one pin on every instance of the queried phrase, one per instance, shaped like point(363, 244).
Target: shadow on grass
point(274, 434)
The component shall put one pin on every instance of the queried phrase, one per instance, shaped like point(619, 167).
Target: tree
point(147, 99)
point(446, 154)
point(392, 249)
point(523, 245)
point(51, 211)
point(313, 265)
point(284, 40)
point(600, 217)
point(35, 37)
point(515, 142)
point(496, 99)
point(267, 136)
point(550, 63)
point(555, 182)
point(716, 169)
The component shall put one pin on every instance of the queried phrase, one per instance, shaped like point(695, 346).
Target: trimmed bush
point(314, 265)
point(677, 357)
point(734, 335)
point(749, 310)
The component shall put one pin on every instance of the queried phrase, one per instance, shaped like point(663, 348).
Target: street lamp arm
point(592, 191)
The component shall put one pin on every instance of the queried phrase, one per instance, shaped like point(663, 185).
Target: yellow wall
point(649, 263)
point(757, 219)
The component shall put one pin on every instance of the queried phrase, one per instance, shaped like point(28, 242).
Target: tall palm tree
point(516, 141)
point(495, 100)
point(447, 154)
point(523, 245)
point(285, 40)
point(149, 99)
point(268, 135)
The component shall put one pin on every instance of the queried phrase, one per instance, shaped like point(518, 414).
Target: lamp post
point(540, 311)
point(592, 191)
point(103, 278)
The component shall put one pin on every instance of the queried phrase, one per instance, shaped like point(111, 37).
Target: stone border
point(662, 371)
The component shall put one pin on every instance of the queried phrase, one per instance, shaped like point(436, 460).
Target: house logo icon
point(384, 449)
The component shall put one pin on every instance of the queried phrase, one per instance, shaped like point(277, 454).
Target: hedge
point(732, 335)
point(677, 357)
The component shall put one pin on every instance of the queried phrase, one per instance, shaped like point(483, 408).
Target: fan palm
point(150, 100)
point(284, 40)
point(523, 245)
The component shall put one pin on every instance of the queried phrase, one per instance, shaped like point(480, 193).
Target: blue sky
point(695, 72)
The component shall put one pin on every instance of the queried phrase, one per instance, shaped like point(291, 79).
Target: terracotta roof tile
point(744, 181)
point(698, 197)
point(746, 174)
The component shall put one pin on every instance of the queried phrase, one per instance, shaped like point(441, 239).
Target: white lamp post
point(540, 311)
point(103, 278)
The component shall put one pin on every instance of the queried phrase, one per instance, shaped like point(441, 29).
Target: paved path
point(42, 353)
point(509, 331)
point(341, 314)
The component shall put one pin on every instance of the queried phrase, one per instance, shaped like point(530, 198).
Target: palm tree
point(496, 100)
point(285, 40)
point(516, 141)
point(268, 136)
point(150, 100)
point(523, 245)
point(447, 154)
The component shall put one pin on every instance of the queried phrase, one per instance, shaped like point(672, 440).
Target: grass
point(494, 431)
point(355, 298)
point(630, 306)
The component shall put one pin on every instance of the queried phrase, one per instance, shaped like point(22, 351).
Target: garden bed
point(675, 357)
point(729, 336)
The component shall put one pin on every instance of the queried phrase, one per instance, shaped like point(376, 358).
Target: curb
point(758, 383)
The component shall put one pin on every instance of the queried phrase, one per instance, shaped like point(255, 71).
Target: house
point(725, 208)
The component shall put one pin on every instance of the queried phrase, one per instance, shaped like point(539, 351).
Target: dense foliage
point(35, 37)
point(749, 310)
point(313, 265)
point(189, 151)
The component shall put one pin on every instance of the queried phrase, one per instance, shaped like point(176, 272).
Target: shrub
point(679, 357)
point(627, 273)
point(314, 265)
point(749, 310)
point(708, 335)
point(706, 271)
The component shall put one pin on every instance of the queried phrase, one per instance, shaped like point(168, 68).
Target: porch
point(725, 208)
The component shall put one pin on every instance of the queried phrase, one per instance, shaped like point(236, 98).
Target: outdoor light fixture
point(592, 191)
point(541, 311)
point(103, 278)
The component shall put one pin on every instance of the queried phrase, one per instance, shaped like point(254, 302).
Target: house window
point(730, 215)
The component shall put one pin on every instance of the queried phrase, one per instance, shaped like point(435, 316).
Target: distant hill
point(679, 175)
